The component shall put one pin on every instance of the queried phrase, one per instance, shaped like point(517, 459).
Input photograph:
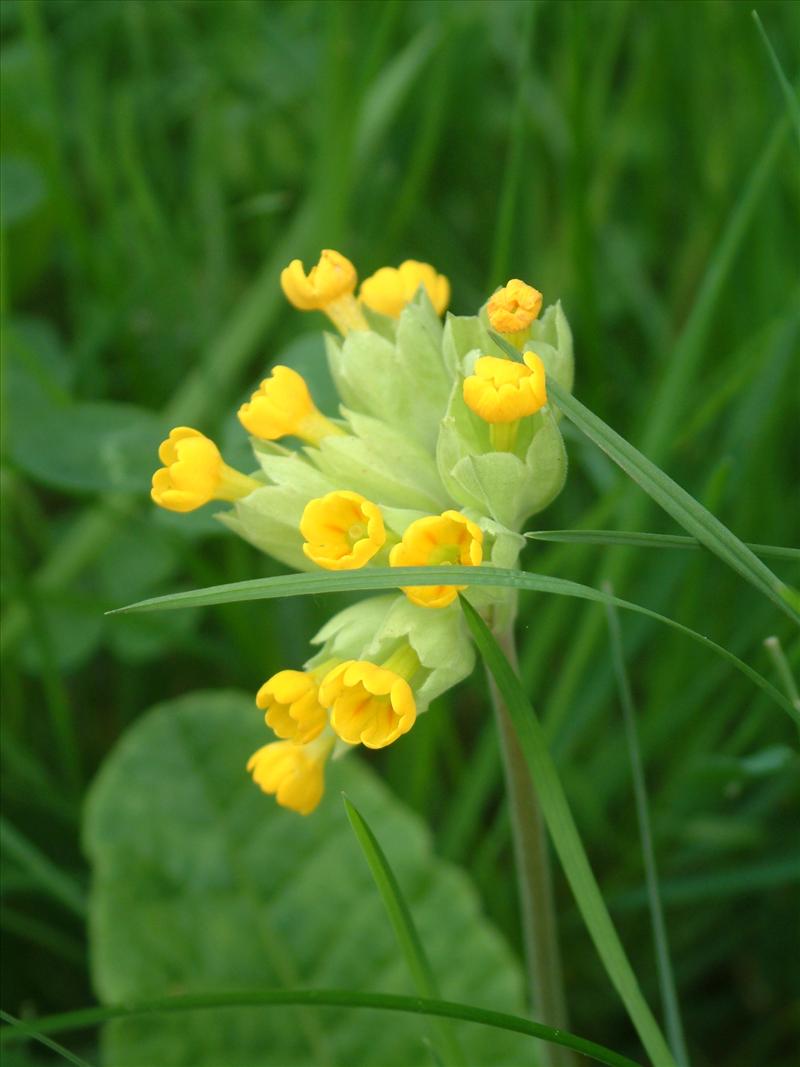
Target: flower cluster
point(441, 448)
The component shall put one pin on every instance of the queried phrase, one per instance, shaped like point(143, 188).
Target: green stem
point(534, 876)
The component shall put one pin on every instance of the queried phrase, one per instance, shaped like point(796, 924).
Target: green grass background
point(160, 162)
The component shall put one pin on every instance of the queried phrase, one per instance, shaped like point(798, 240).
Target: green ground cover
point(161, 162)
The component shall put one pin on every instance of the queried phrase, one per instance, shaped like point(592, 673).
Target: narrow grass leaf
point(512, 171)
point(32, 1034)
point(405, 931)
point(393, 577)
point(41, 869)
point(778, 656)
point(41, 933)
point(788, 91)
point(666, 978)
point(566, 839)
point(387, 94)
point(687, 512)
point(648, 540)
point(333, 998)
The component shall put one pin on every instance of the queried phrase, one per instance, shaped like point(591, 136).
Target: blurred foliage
point(160, 162)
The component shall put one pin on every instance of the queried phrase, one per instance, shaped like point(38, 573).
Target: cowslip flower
point(433, 541)
point(290, 700)
point(328, 287)
point(502, 391)
point(389, 289)
point(342, 530)
point(440, 454)
point(282, 407)
point(293, 774)
point(512, 309)
point(370, 704)
point(194, 473)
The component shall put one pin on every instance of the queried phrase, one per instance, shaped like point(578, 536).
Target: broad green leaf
point(566, 840)
point(91, 447)
point(201, 882)
point(66, 632)
point(390, 578)
point(647, 540)
point(332, 998)
point(682, 506)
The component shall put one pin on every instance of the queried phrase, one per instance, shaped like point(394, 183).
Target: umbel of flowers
point(441, 448)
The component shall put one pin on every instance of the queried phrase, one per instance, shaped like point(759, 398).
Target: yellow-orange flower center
point(342, 530)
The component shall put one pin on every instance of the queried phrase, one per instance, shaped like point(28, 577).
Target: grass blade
point(333, 998)
point(686, 511)
point(39, 932)
point(33, 1034)
point(404, 929)
point(791, 95)
point(393, 577)
point(566, 840)
point(512, 171)
point(666, 978)
point(43, 871)
point(648, 540)
point(778, 656)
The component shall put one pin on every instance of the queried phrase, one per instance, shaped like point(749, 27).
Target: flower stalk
point(534, 875)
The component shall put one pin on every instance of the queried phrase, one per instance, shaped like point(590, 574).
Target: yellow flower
point(194, 473)
point(282, 407)
point(294, 774)
point(433, 541)
point(327, 287)
point(342, 530)
point(514, 307)
point(390, 289)
point(502, 390)
point(293, 711)
point(370, 704)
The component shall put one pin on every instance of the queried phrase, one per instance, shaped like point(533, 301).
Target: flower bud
point(389, 289)
point(293, 711)
point(514, 307)
point(194, 473)
point(294, 774)
point(282, 407)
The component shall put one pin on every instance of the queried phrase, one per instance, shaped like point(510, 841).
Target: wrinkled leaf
point(201, 882)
